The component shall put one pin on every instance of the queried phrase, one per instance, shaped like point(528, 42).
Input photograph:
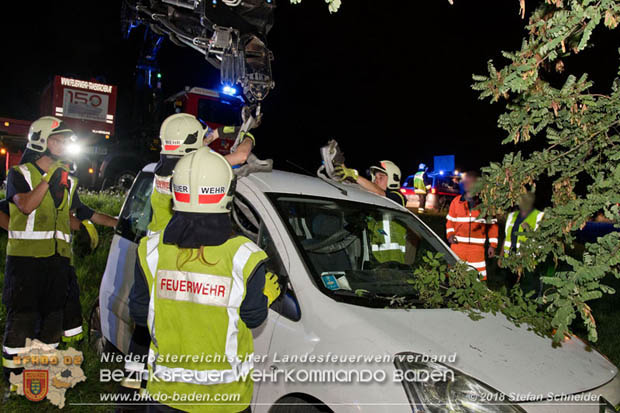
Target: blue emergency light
point(229, 90)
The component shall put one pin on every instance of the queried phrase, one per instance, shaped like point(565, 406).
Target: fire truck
point(103, 159)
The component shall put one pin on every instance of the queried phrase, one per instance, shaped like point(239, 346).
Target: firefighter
point(181, 134)
point(466, 232)
point(185, 318)
point(72, 315)
point(38, 277)
point(385, 180)
point(526, 219)
point(388, 238)
point(420, 186)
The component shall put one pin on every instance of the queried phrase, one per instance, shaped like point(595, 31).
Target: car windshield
point(448, 184)
point(359, 253)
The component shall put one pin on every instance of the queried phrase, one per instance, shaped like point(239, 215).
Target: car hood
point(511, 359)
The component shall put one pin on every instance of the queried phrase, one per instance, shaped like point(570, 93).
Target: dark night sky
point(388, 79)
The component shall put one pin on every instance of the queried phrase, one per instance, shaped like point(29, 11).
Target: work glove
point(343, 173)
point(92, 233)
point(232, 132)
point(53, 168)
point(272, 288)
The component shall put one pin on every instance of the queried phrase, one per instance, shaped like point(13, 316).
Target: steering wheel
point(332, 239)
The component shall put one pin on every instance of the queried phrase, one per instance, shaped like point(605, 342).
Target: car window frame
point(119, 230)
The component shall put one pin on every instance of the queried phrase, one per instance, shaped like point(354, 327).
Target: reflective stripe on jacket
point(466, 225)
point(388, 240)
point(161, 203)
point(46, 230)
point(532, 220)
point(199, 342)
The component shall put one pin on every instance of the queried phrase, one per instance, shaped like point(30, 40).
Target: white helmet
point(203, 182)
point(41, 129)
point(391, 170)
point(180, 134)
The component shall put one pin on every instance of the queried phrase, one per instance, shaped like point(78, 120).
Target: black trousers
point(421, 201)
point(34, 294)
point(72, 314)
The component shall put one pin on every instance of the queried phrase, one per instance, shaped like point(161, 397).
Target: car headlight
point(434, 388)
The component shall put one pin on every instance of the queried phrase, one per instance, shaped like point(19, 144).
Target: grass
point(90, 267)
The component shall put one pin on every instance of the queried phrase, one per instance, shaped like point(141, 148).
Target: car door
point(116, 325)
point(252, 217)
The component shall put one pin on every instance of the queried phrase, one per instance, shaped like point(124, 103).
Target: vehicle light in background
point(6, 124)
point(456, 172)
point(441, 173)
point(91, 171)
point(2, 151)
point(229, 90)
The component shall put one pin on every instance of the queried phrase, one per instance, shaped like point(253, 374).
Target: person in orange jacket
point(466, 232)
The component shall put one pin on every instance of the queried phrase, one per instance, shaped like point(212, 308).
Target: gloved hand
point(92, 233)
point(272, 288)
point(228, 132)
point(343, 173)
point(53, 168)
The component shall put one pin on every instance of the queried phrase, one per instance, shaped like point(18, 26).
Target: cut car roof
point(291, 183)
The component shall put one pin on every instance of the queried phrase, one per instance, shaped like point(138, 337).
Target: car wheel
point(292, 404)
point(124, 180)
point(95, 334)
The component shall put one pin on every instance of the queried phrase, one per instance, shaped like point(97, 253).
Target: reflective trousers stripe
point(17, 350)
point(10, 364)
point(479, 264)
point(73, 331)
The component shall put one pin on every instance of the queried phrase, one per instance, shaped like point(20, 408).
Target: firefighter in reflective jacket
point(181, 134)
point(39, 276)
point(466, 232)
point(205, 289)
point(420, 186)
point(526, 219)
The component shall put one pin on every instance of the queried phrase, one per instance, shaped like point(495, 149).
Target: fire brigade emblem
point(35, 384)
